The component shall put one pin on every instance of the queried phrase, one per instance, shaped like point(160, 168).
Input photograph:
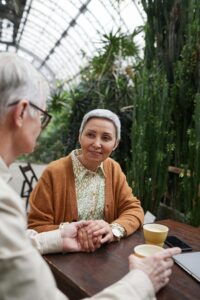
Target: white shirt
point(24, 275)
point(90, 190)
point(45, 242)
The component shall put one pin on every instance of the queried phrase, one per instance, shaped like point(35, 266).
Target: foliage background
point(157, 98)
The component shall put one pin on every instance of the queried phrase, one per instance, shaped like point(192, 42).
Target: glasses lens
point(44, 118)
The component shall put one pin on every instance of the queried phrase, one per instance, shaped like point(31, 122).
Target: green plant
point(166, 100)
point(151, 137)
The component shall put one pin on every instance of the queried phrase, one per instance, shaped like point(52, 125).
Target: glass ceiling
point(59, 36)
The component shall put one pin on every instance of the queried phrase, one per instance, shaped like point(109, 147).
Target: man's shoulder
point(6, 190)
point(12, 221)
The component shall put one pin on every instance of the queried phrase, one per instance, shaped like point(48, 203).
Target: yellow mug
point(155, 234)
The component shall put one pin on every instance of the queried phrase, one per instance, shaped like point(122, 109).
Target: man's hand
point(158, 267)
point(69, 235)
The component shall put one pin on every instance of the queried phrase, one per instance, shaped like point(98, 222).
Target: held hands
point(85, 235)
point(69, 235)
point(158, 267)
point(96, 233)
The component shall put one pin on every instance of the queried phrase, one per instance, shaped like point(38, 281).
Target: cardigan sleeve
point(127, 208)
point(41, 215)
point(53, 200)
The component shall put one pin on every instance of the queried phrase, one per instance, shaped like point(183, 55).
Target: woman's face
point(97, 141)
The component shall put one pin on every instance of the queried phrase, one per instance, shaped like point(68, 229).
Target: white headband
point(103, 113)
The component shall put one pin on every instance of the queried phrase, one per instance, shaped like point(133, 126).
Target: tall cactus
point(167, 97)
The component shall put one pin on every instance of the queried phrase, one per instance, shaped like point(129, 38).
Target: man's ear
point(19, 113)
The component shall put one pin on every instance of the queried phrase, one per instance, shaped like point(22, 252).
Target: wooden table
point(84, 274)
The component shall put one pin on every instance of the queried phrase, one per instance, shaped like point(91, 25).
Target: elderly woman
point(88, 185)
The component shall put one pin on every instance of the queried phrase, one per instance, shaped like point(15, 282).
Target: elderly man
point(23, 94)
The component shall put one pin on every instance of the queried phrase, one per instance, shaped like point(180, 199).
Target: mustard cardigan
point(53, 199)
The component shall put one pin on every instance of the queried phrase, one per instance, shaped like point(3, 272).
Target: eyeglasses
point(45, 117)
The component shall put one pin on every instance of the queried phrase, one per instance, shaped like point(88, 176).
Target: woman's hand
point(87, 241)
point(100, 229)
point(96, 233)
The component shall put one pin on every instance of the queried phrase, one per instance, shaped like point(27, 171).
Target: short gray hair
point(105, 114)
point(20, 80)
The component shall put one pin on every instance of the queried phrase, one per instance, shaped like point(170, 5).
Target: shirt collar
point(4, 171)
point(80, 169)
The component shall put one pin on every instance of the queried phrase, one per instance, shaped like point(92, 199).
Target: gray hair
point(20, 80)
point(105, 114)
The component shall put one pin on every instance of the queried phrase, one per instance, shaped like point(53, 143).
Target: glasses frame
point(46, 116)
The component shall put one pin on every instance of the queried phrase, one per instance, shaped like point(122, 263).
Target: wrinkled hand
point(100, 228)
point(96, 233)
point(69, 235)
point(158, 267)
point(87, 241)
